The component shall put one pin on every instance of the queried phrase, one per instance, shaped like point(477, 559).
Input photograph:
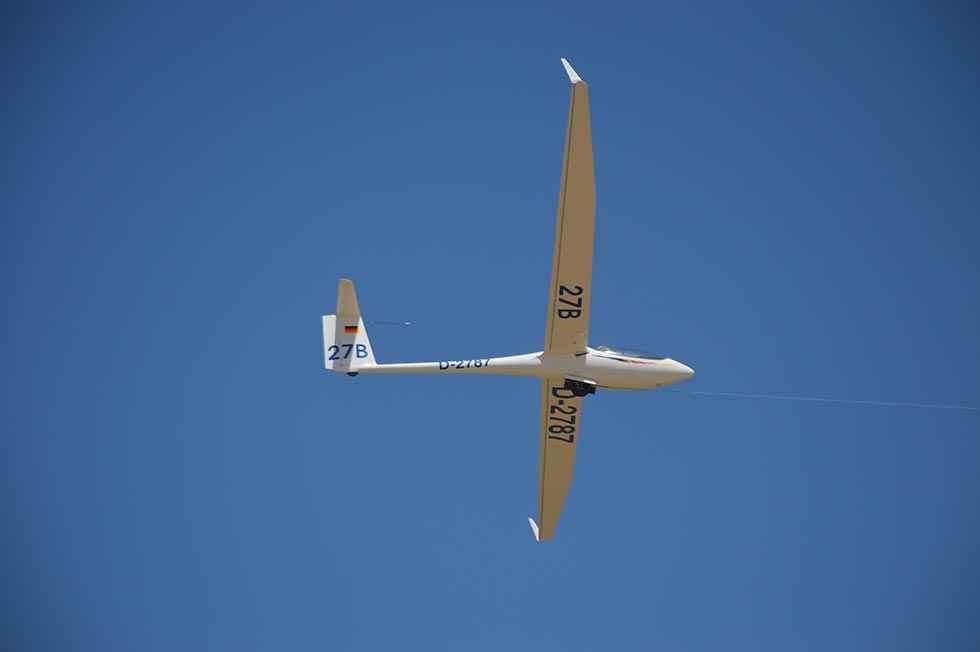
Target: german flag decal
point(350, 329)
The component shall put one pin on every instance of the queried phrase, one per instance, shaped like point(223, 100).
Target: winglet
point(572, 75)
point(534, 526)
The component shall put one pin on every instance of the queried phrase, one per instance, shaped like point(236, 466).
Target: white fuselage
point(607, 369)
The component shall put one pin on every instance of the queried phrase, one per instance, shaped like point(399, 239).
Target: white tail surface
point(345, 340)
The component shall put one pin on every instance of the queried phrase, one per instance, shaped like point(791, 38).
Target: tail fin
point(345, 340)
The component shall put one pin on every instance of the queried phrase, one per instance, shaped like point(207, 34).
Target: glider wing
point(561, 415)
point(571, 267)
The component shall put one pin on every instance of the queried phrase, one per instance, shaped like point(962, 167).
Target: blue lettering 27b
point(360, 351)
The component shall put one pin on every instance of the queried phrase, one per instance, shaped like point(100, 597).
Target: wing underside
point(567, 332)
point(561, 414)
point(571, 268)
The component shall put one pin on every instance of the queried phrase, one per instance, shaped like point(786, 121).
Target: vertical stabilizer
point(345, 340)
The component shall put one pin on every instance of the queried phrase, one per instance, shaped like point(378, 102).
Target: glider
point(569, 369)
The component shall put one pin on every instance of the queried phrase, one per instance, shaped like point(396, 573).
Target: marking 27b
point(561, 416)
point(360, 351)
point(576, 310)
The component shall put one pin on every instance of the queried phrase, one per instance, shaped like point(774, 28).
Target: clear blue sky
point(788, 202)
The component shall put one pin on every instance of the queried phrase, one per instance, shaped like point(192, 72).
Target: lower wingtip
point(534, 528)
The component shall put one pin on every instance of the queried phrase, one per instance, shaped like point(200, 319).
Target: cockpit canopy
point(630, 353)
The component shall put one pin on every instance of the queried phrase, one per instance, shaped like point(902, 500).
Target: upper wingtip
point(572, 75)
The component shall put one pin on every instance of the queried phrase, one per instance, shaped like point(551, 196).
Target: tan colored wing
point(571, 267)
point(561, 416)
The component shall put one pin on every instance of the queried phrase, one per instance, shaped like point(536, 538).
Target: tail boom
point(530, 364)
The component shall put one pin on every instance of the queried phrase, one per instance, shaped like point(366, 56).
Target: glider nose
point(682, 370)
